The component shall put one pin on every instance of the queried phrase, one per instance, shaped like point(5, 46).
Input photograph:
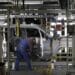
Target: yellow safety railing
point(17, 27)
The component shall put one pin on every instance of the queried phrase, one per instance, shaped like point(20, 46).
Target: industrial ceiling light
point(65, 18)
point(72, 23)
point(22, 14)
point(59, 16)
point(33, 2)
point(53, 24)
point(25, 14)
point(29, 2)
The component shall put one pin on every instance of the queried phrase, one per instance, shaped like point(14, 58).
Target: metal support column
point(67, 15)
point(1, 38)
point(73, 48)
point(8, 36)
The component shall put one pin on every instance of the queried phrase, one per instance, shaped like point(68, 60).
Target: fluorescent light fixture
point(25, 14)
point(70, 64)
point(36, 14)
point(4, 0)
point(33, 2)
point(3, 24)
point(53, 23)
point(29, 2)
point(72, 23)
point(22, 14)
point(52, 29)
point(60, 16)
point(65, 18)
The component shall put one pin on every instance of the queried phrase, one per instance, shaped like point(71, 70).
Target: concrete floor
point(60, 69)
point(24, 73)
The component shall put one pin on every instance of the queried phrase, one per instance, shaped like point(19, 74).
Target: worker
point(21, 52)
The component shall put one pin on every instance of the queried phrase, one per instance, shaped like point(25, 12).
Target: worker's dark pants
point(21, 53)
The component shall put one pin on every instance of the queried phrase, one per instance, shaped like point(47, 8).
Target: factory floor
point(55, 72)
point(24, 73)
point(60, 68)
point(39, 68)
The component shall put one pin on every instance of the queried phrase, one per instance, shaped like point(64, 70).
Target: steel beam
point(73, 48)
point(40, 11)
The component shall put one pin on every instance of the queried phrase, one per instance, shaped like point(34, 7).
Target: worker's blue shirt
point(23, 43)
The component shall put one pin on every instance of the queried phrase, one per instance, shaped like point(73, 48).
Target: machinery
point(41, 47)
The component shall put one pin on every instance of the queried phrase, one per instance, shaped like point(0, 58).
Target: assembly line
point(37, 37)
